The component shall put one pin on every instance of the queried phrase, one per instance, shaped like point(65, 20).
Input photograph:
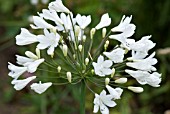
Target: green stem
point(82, 97)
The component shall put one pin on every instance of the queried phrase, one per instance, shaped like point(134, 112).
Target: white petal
point(40, 87)
point(40, 23)
point(96, 108)
point(21, 60)
point(15, 70)
point(104, 109)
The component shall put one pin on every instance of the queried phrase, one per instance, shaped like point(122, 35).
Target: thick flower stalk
point(70, 55)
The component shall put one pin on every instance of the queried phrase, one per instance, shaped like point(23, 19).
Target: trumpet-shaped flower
point(40, 87)
point(51, 15)
point(40, 23)
point(102, 101)
point(116, 55)
point(58, 6)
point(30, 61)
point(144, 64)
point(67, 21)
point(102, 67)
point(116, 93)
point(143, 45)
point(16, 71)
point(104, 22)
point(20, 84)
point(144, 77)
point(83, 21)
point(48, 40)
point(25, 37)
point(125, 28)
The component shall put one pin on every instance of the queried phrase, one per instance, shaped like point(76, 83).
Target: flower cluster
point(65, 39)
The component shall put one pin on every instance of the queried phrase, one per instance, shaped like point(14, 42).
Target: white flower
point(25, 37)
point(20, 84)
point(44, 1)
point(48, 40)
point(40, 23)
point(83, 21)
point(144, 64)
point(31, 62)
point(143, 45)
point(116, 55)
point(126, 28)
point(138, 55)
point(102, 67)
point(102, 101)
point(16, 71)
point(58, 6)
point(40, 87)
point(51, 15)
point(67, 22)
point(144, 77)
point(116, 93)
point(104, 22)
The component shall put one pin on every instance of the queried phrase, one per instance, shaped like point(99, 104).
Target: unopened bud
point(121, 80)
point(52, 55)
point(65, 49)
point(107, 42)
point(31, 55)
point(113, 72)
point(69, 76)
point(37, 52)
point(59, 69)
point(80, 47)
point(103, 32)
point(92, 32)
point(136, 89)
point(107, 80)
point(126, 51)
point(87, 61)
point(92, 71)
point(74, 56)
point(77, 30)
point(84, 38)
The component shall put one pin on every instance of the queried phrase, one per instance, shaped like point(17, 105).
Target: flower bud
point(86, 61)
point(107, 42)
point(59, 69)
point(77, 30)
point(113, 73)
point(121, 80)
point(84, 38)
point(65, 49)
point(103, 32)
point(69, 76)
point(37, 52)
point(135, 89)
point(74, 56)
point(92, 32)
point(92, 71)
point(107, 80)
point(31, 55)
point(80, 47)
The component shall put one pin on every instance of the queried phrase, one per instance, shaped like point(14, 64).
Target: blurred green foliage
point(150, 17)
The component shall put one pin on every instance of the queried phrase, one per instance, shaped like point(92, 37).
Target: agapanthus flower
point(102, 67)
point(20, 84)
point(40, 87)
point(72, 58)
point(48, 40)
point(104, 22)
